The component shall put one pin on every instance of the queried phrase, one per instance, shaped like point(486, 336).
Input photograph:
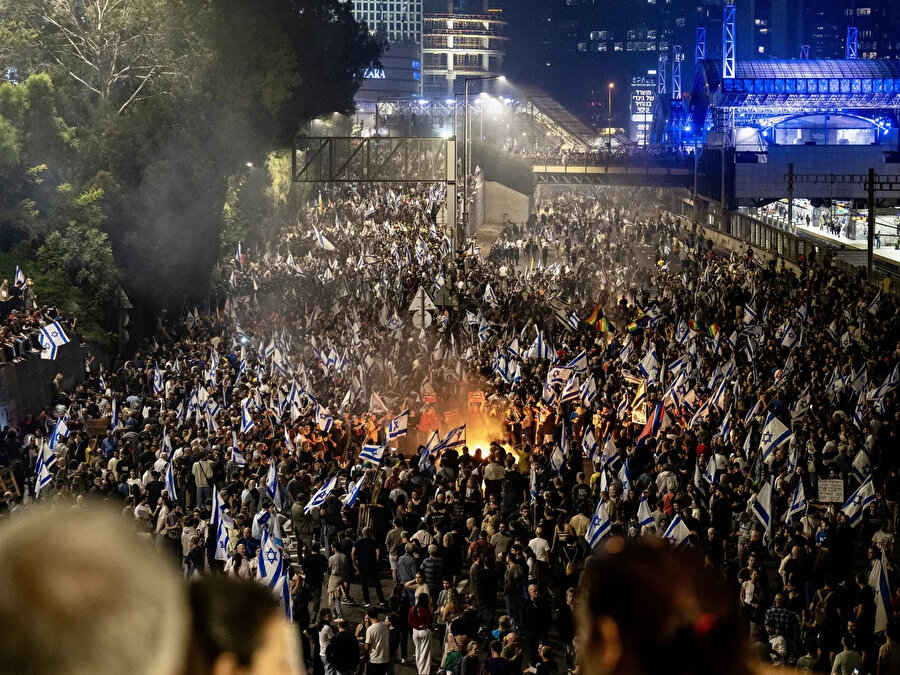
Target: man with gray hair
point(83, 595)
point(432, 568)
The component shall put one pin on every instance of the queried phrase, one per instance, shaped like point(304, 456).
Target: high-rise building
point(460, 40)
point(398, 21)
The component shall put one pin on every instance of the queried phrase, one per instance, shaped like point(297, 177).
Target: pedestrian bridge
point(637, 174)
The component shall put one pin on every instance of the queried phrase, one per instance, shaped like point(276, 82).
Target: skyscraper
point(398, 21)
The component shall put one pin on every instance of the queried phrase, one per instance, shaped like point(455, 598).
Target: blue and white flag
point(854, 507)
point(859, 412)
point(169, 481)
point(711, 472)
point(725, 427)
point(774, 434)
point(540, 349)
point(114, 414)
point(625, 477)
point(557, 460)
point(627, 350)
point(372, 453)
point(324, 420)
point(489, 296)
point(20, 277)
point(878, 580)
point(270, 561)
point(532, 484)
point(157, 379)
point(643, 513)
point(649, 366)
point(572, 390)
point(246, 417)
point(580, 363)
point(677, 533)
point(51, 337)
point(352, 496)
point(237, 456)
point(272, 490)
point(222, 542)
point(798, 503)
point(433, 444)
point(861, 467)
point(219, 512)
point(60, 430)
point(789, 339)
point(284, 596)
point(589, 392)
point(399, 425)
point(763, 506)
point(749, 314)
point(455, 438)
point(600, 525)
point(319, 498)
point(590, 445)
point(322, 240)
point(43, 470)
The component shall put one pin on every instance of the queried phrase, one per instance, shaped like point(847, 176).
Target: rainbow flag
point(596, 314)
point(713, 330)
point(604, 325)
point(696, 326)
point(632, 327)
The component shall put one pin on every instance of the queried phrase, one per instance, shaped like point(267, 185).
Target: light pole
point(469, 143)
point(609, 89)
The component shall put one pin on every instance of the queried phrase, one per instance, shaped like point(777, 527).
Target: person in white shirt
point(540, 546)
point(326, 633)
point(377, 637)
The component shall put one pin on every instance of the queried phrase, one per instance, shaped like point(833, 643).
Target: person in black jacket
point(342, 653)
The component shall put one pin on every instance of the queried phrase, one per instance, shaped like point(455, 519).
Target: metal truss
point(728, 43)
point(388, 160)
point(661, 74)
point(676, 72)
point(700, 45)
point(851, 53)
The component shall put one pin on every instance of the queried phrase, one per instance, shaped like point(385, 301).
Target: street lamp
point(468, 142)
point(609, 89)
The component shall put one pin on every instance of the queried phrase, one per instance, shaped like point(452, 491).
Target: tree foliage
point(149, 112)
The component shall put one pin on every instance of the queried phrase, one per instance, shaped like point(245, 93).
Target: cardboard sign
point(639, 414)
point(96, 427)
point(831, 490)
point(453, 418)
point(476, 397)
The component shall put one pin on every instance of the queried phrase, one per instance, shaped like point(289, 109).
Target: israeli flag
point(878, 580)
point(532, 484)
point(353, 495)
point(580, 363)
point(763, 507)
point(600, 525)
point(455, 438)
point(272, 485)
point(322, 240)
point(540, 349)
point(324, 420)
point(284, 597)
point(169, 481)
point(774, 434)
point(789, 339)
point(222, 542)
point(60, 430)
point(43, 469)
point(51, 337)
point(797, 505)
point(489, 296)
point(433, 444)
point(625, 477)
point(643, 513)
point(677, 533)
point(859, 412)
point(711, 473)
point(319, 498)
point(682, 332)
point(589, 392)
point(861, 468)
point(590, 445)
point(627, 350)
point(114, 415)
point(572, 391)
point(270, 561)
point(372, 453)
point(749, 314)
point(649, 366)
point(219, 513)
point(246, 418)
point(725, 427)
point(854, 507)
point(398, 425)
point(157, 379)
point(557, 460)
point(237, 456)
point(20, 277)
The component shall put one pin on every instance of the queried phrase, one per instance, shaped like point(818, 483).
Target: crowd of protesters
point(611, 377)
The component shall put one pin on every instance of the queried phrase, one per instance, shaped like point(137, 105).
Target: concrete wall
point(501, 202)
point(26, 387)
point(767, 180)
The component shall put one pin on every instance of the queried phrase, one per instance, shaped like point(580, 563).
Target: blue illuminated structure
point(775, 88)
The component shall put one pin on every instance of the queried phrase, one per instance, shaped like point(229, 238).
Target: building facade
point(457, 45)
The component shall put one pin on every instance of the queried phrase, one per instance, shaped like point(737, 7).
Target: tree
point(114, 50)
